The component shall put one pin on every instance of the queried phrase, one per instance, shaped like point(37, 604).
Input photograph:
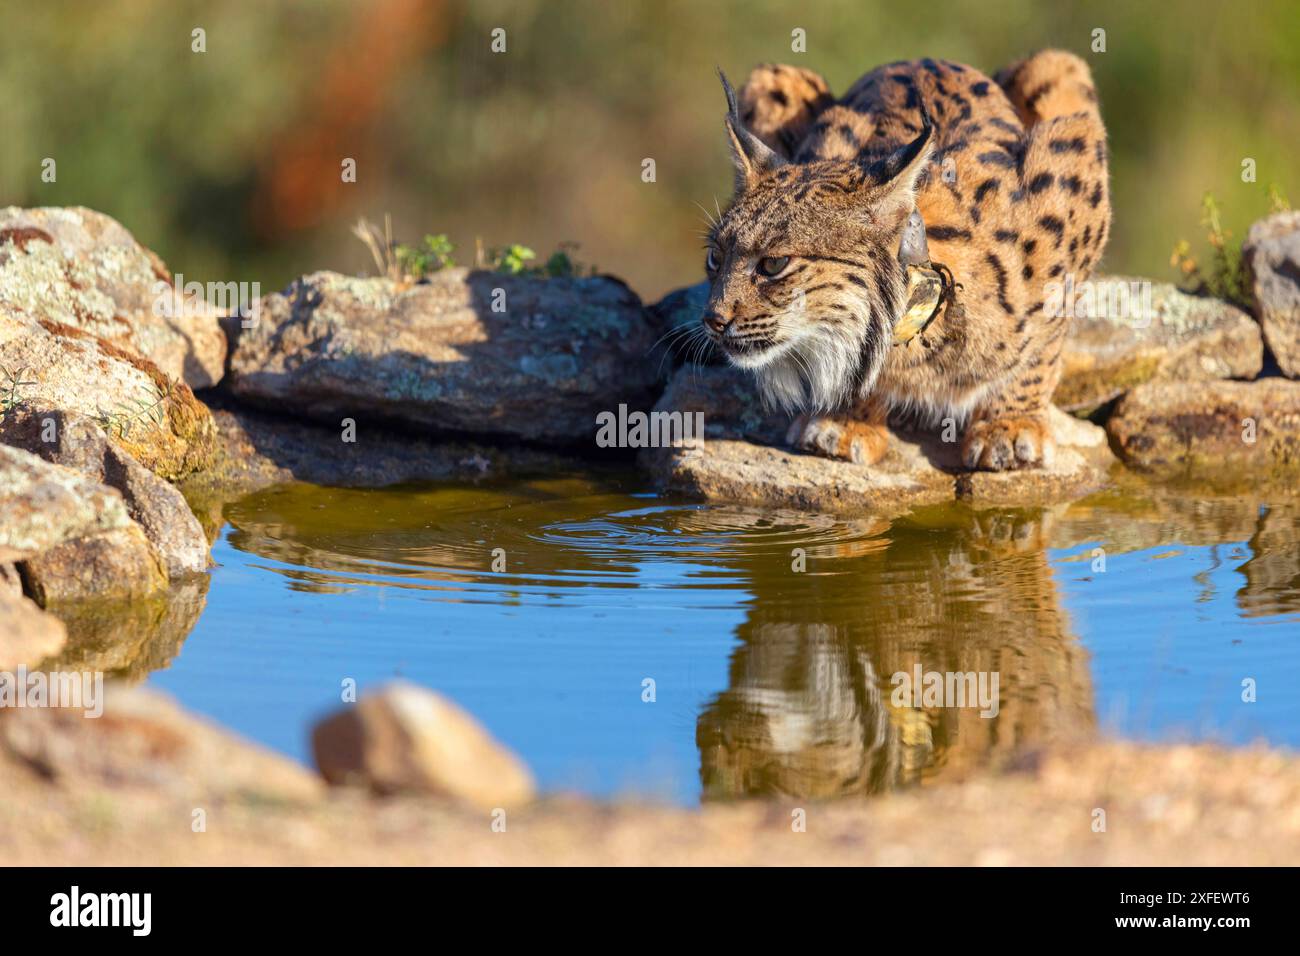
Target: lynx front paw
point(858, 442)
point(1001, 444)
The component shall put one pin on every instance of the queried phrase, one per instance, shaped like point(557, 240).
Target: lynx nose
point(715, 323)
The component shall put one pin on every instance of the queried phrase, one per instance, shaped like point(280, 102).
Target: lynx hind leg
point(859, 435)
point(1049, 84)
point(1064, 209)
point(779, 103)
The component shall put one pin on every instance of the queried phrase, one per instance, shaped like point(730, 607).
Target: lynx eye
point(772, 265)
point(711, 260)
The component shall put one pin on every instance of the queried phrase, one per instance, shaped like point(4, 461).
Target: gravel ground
point(1184, 805)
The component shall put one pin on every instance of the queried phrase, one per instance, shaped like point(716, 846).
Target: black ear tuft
point(732, 109)
point(905, 156)
point(749, 153)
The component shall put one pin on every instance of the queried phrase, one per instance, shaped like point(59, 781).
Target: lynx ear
point(750, 154)
point(896, 175)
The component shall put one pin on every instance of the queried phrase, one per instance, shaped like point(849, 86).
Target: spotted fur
point(1010, 177)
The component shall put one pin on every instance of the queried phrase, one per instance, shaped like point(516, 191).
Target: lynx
point(887, 253)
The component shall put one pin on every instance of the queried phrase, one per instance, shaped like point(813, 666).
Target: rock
point(120, 563)
point(143, 740)
point(436, 356)
point(741, 460)
point(80, 268)
point(72, 536)
point(27, 634)
point(11, 583)
point(154, 419)
point(1205, 428)
point(1180, 337)
point(1272, 254)
point(257, 450)
point(404, 738)
point(43, 505)
point(78, 443)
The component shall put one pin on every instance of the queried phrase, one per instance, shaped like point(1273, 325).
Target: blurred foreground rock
point(1209, 429)
point(82, 269)
point(27, 634)
point(405, 738)
point(1165, 806)
point(742, 459)
point(463, 352)
point(143, 740)
point(1272, 254)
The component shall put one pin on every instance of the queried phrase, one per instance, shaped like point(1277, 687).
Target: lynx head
point(805, 278)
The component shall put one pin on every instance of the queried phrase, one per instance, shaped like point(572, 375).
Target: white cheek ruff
point(820, 367)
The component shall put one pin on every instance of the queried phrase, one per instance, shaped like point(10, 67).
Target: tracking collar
point(925, 282)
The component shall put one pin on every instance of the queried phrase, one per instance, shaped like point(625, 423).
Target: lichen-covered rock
point(74, 441)
point(742, 459)
point(469, 352)
point(1124, 339)
point(71, 536)
point(404, 738)
point(27, 634)
point(1211, 428)
point(42, 505)
point(80, 268)
point(1272, 254)
point(153, 418)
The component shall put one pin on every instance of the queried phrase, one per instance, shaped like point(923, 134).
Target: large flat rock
point(464, 352)
point(1211, 429)
point(742, 459)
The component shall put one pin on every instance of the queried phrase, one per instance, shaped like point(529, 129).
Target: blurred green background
point(227, 163)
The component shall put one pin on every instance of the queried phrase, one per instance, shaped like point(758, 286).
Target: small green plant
point(402, 262)
point(9, 391)
point(515, 259)
point(512, 260)
point(124, 417)
point(563, 264)
point(432, 254)
point(1226, 276)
